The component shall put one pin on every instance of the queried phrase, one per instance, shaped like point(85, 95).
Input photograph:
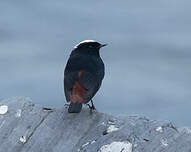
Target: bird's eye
point(90, 46)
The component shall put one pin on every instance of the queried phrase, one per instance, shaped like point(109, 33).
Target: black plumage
point(83, 74)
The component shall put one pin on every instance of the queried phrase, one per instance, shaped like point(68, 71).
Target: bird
point(83, 75)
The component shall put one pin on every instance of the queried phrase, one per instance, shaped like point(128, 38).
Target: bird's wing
point(69, 80)
point(92, 84)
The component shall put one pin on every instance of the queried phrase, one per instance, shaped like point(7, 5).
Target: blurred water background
point(148, 59)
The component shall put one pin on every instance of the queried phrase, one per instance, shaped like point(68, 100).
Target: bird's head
point(89, 46)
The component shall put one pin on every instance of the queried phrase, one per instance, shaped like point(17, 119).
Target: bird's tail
point(75, 107)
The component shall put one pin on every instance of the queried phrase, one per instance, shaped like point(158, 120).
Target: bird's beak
point(102, 45)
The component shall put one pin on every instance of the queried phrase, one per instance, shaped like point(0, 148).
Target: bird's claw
point(92, 108)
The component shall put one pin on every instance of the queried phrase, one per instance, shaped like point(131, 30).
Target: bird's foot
point(92, 108)
point(66, 105)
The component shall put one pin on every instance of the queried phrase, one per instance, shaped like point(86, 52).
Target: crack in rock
point(37, 126)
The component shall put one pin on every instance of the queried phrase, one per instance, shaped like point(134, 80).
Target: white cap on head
point(84, 41)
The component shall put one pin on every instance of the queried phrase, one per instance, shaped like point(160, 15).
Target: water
point(147, 60)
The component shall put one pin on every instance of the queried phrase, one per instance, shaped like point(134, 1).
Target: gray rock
point(26, 127)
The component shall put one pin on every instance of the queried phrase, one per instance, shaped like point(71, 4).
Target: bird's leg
point(88, 105)
point(92, 107)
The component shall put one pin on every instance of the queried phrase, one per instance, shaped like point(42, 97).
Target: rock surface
point(26, 127)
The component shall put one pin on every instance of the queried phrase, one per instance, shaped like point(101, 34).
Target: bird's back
point(91, 64)
point(83, 76)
